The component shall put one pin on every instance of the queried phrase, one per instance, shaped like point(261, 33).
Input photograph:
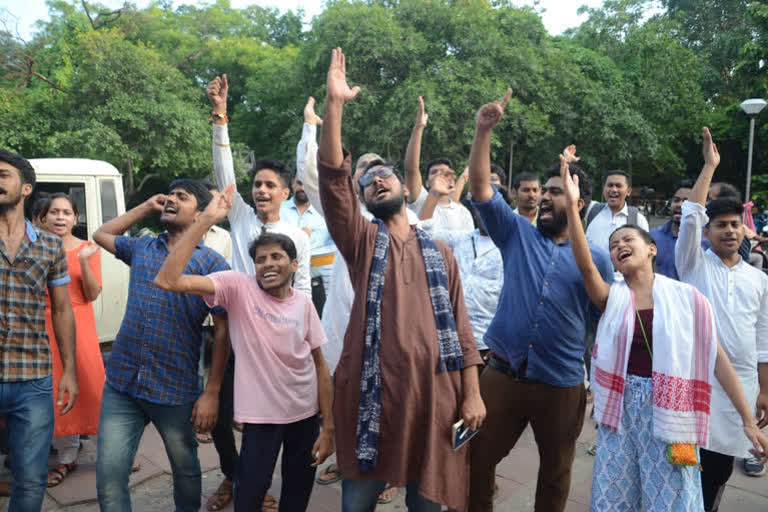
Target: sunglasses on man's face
point(382, 172)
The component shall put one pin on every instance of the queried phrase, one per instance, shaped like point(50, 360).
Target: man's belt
point(500, 364)
point(322, 260)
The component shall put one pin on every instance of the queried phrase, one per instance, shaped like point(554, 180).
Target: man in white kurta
point(738, 293)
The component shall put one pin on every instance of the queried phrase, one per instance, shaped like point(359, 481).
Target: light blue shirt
point(320, 242)
point(482, 276)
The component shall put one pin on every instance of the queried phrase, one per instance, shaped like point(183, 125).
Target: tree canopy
point(631, 86)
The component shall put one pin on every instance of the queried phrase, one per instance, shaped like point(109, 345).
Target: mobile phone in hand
point(461, 434)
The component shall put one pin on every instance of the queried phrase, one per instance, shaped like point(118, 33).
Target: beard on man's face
point(300, 197)
point(555, 225)
point(386, 208)
point(9, 201)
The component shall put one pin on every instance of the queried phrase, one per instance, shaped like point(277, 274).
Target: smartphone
point(461, 434)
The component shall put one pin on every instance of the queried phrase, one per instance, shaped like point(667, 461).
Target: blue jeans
point(121, 423)
point(28, 409)
point(361, 495)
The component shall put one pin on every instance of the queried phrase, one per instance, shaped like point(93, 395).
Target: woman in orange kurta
point(84, 262)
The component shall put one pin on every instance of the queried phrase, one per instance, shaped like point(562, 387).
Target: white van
point(97, 189)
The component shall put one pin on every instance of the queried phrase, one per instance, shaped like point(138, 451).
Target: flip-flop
point(269, 504)
point(331, 469)
point(204, 437)
point(60, 472)
point(383, 500)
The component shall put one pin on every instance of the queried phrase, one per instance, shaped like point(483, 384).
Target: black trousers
point(716, 469)
point(318, 294)
point(258, 455)
point(223, 438)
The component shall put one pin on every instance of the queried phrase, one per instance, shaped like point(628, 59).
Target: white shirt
point(739, 297)
point(219, 240)
point(605, 223)
point(451, 217)
point(482, 276)
point(246, 226)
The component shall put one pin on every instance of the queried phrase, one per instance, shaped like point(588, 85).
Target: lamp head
point(753, 106)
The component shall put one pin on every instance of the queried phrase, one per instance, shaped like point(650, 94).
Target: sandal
point(204, 437)
point(331, 469)
point(387, 495)
point(269, 504)
point(221, 498)
point(59, 473)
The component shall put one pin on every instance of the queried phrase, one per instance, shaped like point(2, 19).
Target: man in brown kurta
point(419, 404)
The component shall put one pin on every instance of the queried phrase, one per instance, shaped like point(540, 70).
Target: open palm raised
point(337, 87)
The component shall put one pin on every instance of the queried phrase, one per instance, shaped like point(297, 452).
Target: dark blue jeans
point(361, 496)
point(28, 410)
point(258, 455)
point(121, 423)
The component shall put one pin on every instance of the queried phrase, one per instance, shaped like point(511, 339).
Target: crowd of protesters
point(365, 312)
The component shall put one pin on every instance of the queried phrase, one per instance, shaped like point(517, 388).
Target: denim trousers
point(361, 496)
point(121, 424)
point(28, 410)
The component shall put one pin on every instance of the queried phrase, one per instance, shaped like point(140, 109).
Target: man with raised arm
point(536, 338)
point(31, 262)
point(446, 214)
point(270, 187)
point(408, 369)
point(280, 376)
point(739, 296)
point(151, 374)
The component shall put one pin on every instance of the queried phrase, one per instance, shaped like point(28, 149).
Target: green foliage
point(629, 90)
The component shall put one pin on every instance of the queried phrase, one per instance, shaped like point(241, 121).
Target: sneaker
point(753, 467)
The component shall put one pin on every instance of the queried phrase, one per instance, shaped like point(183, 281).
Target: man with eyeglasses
point(448, 215)
point(408, 369)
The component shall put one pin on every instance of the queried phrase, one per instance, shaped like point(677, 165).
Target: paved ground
point(152, 489)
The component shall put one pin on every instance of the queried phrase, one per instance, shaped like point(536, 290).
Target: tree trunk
point(129, 187)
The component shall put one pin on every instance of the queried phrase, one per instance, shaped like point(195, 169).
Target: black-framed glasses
point(382, 172)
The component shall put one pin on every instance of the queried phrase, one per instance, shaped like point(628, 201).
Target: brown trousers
point(556, 416)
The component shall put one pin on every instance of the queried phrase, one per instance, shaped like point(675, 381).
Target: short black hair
point(727, 206)
point(273, 239)
point(500, 172)
point(26, 171)
point(524, 176)
point(585, 187)
point(379, 162)
point(48, 201)
point(618, 172)
point(438, 161)
point(727, 191)
point(195, 187)
point(210, 186)
point(645, 235)
point(682, 184)
point(282, 169)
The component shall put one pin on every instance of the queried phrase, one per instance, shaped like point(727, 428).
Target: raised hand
point(570, 154)
point(709, 149)
point(570, 183)
point(156, 202)
point(490, 114)
point(309, 113)
point(220, 204)
point(217, 90)
point(442, 185)
point(337, 88)
point(421, 114)
point(88, 250)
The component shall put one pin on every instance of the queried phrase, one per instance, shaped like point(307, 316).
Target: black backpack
point(632, 212)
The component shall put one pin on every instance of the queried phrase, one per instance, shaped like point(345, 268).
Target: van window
point(108, 201)
point(77, 192)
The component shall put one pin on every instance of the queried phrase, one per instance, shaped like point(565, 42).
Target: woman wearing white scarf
point(652, 392)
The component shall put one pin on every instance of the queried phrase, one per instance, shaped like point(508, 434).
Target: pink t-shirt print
point(275, 377)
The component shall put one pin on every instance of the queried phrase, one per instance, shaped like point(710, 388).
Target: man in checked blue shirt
point(535, 372)
point(152, 371)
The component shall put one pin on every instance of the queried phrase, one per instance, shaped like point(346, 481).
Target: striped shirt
point(39, 263)
point(156, 352)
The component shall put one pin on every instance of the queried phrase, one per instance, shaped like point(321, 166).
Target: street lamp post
point(751, 107)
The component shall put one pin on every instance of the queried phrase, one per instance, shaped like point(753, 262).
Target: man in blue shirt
point(666, 235)
point(536, 338)
point(152, 371)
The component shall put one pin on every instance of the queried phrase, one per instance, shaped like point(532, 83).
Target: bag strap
point(632, 215)
point(642, 329)
point(593, 213)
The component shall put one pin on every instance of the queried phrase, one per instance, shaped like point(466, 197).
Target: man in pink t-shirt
point(281, 377)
